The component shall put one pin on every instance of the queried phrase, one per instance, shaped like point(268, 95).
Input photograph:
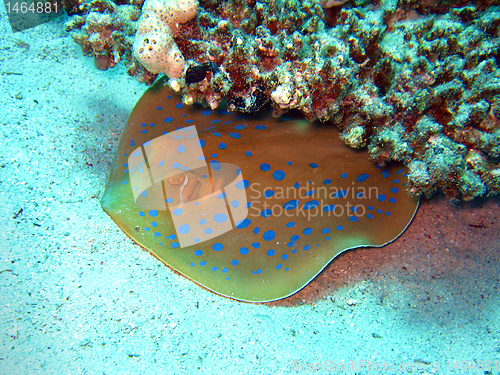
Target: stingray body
point(249, 207)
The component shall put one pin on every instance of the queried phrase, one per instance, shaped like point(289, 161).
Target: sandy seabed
point(78, 296)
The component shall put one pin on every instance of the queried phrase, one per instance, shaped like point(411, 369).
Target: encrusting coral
point(414, 81)
point(154, 44)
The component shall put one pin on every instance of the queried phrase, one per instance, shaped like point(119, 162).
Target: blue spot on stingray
point(184, 229)
point(153, 213)
point(268, 193)
point(339, 227)
point(269, 235)
point(198, 253)
point(255, 245)
point(296, 185)
point(203, 263)
point(307, 231)
point(265, 167)
point(220, 218)
point(290, 205)
point(354, 219)
point(222, 146)
point(243, 251)
point(284, 256)
point(216, 134)
point(256, 230)
point(157, 234)
point(234, 262)
point(381, 197)
point(385, 173)
point(144, 193)
point(235, 203)
point(289, 163)
point(394, 190)
point(208, 231)
point(279, 266)
point(362, 177)
point(239, 127)
point(393, 200)
point(327, 182)
point(242, 185)
point(217, 246)
point(201, 143)
point(176, 165)
point(325, 230)
point(313, 165)
point(248, 153)
point(181, 149)
point(266, 213)
point(369, 216)
point(279, 175)
point(206, 112)
point(340, 194)
point(168, 119)
point(214, 268)
point(214, 164)
point(294, 238)
point(343, 175)
point(179, 105)
point(270, 252)
point(235, 135)
point(243, 223)
point(290, 224)
point(311, 204)
point(174, 245)
point(307, 247)
point(260, 127)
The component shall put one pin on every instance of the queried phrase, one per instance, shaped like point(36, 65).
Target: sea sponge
point(154, 44)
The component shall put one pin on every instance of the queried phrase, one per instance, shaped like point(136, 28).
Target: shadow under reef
point(449, 255)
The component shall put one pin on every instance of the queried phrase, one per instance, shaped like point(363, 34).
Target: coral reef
point(154, 45)
point(414, 81)
point(104, 30)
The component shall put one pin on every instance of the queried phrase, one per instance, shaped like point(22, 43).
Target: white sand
point(78, 297)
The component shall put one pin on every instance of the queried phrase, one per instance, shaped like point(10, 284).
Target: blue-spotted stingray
point(249, 207)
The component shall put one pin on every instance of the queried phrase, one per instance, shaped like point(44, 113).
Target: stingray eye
point(176, 181)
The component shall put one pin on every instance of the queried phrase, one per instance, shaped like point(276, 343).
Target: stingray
point(250, 207)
